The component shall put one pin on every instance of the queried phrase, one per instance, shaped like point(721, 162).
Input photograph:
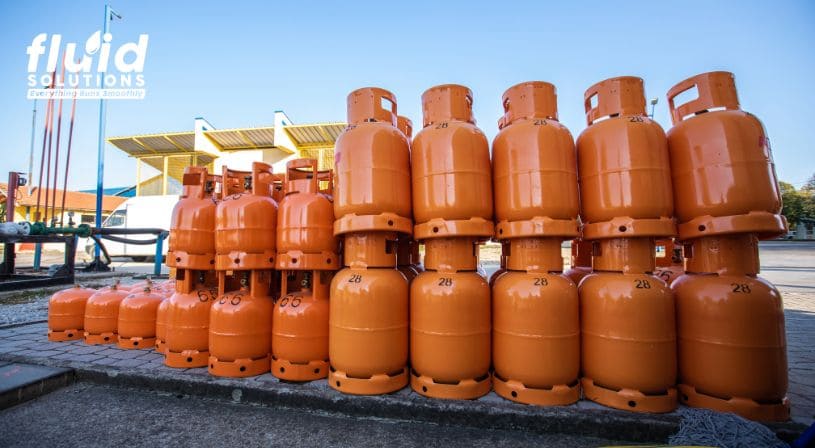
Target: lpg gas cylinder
point(187, 332)
point(625, 183)
point(300, 330)
point(368, 318)
point(534, 165)
point(452, 178)
point(66, 313)
point(450, 322)
point(372, 166)
point(192, 227)
point(732, 340)
point(723, 172)
point(580, 260)
point(536, 326)
point(137, 319)
point(240, 327)
point(102, 315)
point(245, 221)
point(670, 263)
point(628, 329)
point(405, 125)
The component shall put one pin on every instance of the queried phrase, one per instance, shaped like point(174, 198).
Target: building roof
point(74, 200)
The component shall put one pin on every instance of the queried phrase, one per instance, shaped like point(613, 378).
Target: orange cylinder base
point(136, 342)
point(629, 399)
point(161, 346)
point(290, 371)
point(238, 368)
point(185, 359)
point(745, 407)
point(468, 389)
point(375, 385)
point(101, 339)
point(558, 395)
point(64, 335)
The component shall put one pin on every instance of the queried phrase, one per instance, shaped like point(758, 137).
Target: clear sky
point(235, 62)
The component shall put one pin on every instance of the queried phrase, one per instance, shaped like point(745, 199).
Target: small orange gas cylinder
point(245, 220)
point(102, 315)
point(66, 313)
point(307, 251)
point(669, 261)
point(187, 332)
point(368, 318)
point(732, 343)
point(192, 227)
point(452, 177)
point(580, 260)
point(137, 319)
point(405, 125)
point(723, 172)
point(372, 166)
point(240, 325)
point(450, 322)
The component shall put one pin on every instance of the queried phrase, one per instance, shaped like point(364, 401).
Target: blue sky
point(236, 62)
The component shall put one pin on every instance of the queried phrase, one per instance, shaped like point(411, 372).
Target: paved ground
point(98, 415)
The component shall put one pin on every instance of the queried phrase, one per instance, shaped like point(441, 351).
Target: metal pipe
point(67, 160)
point(31, 149)
point(56, 152)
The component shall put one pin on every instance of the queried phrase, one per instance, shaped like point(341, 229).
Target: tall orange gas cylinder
point(192, 227)
point(102, 315)
point(368, 318)
point(306, 245)
point(536, 329)
point(670, 263)
point(137, 319)
point(580, 260)
point(628, 327)
point(732, 342)
point(188, 309)
point(245, 220)
point(450, 162)
point(372, 166)
point(450, 322)
point(66, 313)
point(240, 325)
point(723, 172)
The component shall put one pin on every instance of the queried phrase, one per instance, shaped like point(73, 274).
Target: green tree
point(793, 208)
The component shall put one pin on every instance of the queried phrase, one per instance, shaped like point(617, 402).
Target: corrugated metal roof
point(315, 135)
point(243, 138)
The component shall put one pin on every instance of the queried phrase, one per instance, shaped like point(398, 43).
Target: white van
point(137, 212)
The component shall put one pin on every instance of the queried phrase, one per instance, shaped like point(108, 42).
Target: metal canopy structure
point(315, 135)
point(243, 138)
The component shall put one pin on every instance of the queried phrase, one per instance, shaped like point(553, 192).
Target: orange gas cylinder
point(66, 313)
point(536, 326)
point(452, 178)
point(580, 260)
point(732, 342)
point(625, 182)
point(450, 323)
point(192, 227)
point(670, 263)
point(300, 330)
point(723, 172)
point(140, 285)
point(372, 167)
point(404, 258)
point(368, 327)
point(534, 165)
point(102, 315)
point(305, 221)
point(245, 220)
point(240, 327)
point(137, 319)
point(187, 333)
point(405, 125)
point(628, 329)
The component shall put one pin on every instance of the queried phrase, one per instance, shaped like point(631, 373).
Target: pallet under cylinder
point(240, 321)
point(450, 310)
point(732, 342)
point(536, 325)
point(627, 315)
point(368, 331)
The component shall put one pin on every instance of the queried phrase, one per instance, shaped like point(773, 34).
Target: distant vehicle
point(138, 212)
